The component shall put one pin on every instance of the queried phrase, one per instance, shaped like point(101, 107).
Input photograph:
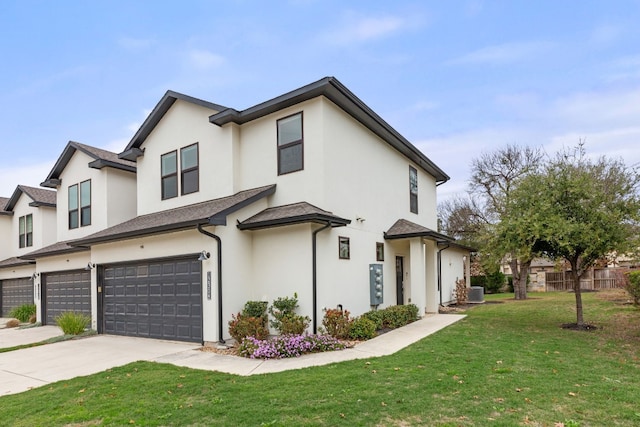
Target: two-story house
point(94, 190)
point(310, 193)
point(27, 222)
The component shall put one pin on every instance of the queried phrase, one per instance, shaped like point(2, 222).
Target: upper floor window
point(189, 172)
point(413, 190)
point(290, 144)
point(189, 169)
point(80, 204)
point(26, 231)
point(169, 173)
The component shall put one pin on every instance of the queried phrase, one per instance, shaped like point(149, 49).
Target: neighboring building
point(27, 221)
point(310, 193)
point(94, 190)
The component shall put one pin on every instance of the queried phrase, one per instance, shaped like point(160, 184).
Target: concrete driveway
point(12, 337)
point(28, 368)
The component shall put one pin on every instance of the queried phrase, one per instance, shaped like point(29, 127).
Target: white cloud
point(357, 29)
point(503, 53)
point(606, 34)
point(203, 59)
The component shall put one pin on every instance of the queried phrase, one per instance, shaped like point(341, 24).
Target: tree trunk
point(519, 274)
point(575, 276)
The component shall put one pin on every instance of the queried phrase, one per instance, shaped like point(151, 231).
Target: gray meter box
point(376, 284)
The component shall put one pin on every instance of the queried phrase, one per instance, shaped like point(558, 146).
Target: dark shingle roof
point(403, 229)
point(336, 92)
point(102, 158)
point(132, 151)
point(213, 212)
point(14, 262)
point(59, 248)
point(40, 197)
point(3, 203)
point(295, 213)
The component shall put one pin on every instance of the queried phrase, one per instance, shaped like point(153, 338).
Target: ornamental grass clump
point(284, 346)
point(24, 313)
point(73, 323)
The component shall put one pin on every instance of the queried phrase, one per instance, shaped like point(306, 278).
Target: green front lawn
point(508, 363)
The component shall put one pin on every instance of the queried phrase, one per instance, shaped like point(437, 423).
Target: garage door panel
point(162, 299)
point(15, 292)
point(66, 291)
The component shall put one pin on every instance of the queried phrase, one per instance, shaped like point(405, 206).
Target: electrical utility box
point(376, 284)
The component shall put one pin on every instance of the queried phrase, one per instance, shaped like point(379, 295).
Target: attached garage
point(153, 299)
point(14, 293)
point(65, 291)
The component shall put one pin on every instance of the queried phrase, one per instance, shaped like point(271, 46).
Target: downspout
point(217, 238)
point(440, 269)
point(314, 274)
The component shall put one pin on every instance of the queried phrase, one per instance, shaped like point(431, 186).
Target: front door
point(399, 280)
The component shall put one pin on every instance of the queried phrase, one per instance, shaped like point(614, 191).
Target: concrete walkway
point(382, 345)
point(23, 369)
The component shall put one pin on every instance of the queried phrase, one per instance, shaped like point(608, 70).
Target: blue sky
point(455, 77)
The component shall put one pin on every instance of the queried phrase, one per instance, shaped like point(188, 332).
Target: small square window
point(379, 251)
point(344, 250)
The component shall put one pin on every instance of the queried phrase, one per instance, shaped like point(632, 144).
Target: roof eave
point(156, 115)
point(102, 163)
point(336, 92)
point(139, 233)
point(310, 218)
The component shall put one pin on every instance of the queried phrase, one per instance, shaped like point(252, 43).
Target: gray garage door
point(66, 291)
point(14, 293)
point(154, 299)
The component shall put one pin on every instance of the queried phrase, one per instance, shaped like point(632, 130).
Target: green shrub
point(255, 308)
point(337, 323)
point(376, 316)
point(362, 328)
point(294, 324)
point(397, 316)
point(632, 286)
point(285, 320)
point(242, 326)
point(24, 312)
point(73, 323)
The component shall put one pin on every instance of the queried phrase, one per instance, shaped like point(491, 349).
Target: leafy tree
point(576, 209)
point(494, 176)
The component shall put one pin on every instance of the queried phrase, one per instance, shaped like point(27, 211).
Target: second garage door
point(14, 293)
point(66, 291)
point(153, 299)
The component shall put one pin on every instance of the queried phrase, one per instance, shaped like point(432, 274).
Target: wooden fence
point(604, 278)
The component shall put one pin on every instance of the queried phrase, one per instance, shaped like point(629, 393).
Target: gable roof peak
point(133, 150)
point(39, 196)
point(101, 158)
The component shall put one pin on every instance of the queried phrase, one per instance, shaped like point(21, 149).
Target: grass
point(506, 364)
point(51, 340)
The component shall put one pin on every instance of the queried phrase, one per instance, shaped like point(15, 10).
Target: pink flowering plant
point(284, 346)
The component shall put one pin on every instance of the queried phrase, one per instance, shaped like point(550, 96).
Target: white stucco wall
point(77, 171)
point(6, 224)
point(120, 194)
point(453, 267)
point(183, 125)
point(44, 227)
